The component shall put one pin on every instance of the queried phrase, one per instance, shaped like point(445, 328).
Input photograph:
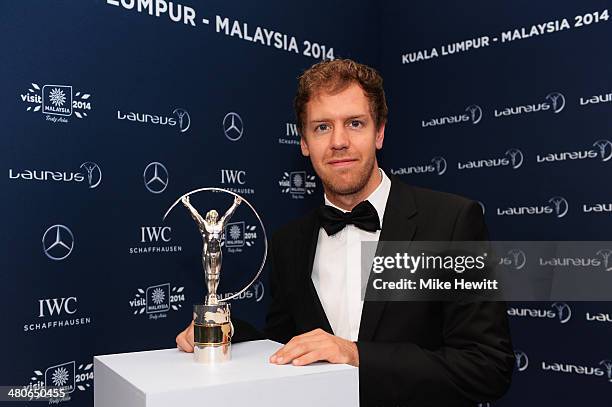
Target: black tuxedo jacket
point(410, 353)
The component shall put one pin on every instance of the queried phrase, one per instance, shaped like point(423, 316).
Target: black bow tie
point(364, 216)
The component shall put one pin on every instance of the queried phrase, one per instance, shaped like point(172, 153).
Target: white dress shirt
point(336, 272)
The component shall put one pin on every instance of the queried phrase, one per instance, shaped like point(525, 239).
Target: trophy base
point(212, 333)
point(210, 354)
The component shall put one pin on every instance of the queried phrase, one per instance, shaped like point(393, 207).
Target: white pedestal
point(170, 377)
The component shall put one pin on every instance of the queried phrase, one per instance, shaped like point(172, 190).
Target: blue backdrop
point(113, 109)
point(523, 122)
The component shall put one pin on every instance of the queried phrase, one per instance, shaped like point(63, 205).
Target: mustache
point(341, 156)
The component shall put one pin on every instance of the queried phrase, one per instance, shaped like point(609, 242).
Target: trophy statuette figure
point(211, 228)
point(212, 325)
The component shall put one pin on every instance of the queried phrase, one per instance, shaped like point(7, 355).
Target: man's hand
point(184, 340)
point(316, 346)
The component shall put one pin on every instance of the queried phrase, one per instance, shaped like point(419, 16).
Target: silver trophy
point(213, 328)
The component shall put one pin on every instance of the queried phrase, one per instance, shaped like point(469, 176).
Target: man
point(408, 353)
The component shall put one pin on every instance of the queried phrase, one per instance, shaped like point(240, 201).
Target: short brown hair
point(335, 76)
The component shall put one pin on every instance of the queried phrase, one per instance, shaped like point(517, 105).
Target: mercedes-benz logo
point(155, 177)
point(233, 126)
point(58, 242)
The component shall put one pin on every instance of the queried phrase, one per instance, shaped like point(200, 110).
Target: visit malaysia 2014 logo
point(57, 102)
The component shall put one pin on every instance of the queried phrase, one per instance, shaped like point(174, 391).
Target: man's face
point(341, 139)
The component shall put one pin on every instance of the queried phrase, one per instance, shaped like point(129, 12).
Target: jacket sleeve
point(280, 326)
point(279, 322)
point(473, 364)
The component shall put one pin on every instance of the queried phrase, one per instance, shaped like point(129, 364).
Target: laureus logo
point(601, 260)
point(514, 258)
point(603, 151)
point(516, 157)
point(513, 158)
point(255, 292)
point(560, 311)
point(522, 361)
point(475, 113)
point(94, 173)
point(607, 365)
point(580, 368)
point(437, 165)
point(554, 101)
point(440, 164)
point(184, 120)
point(560, 205)
point(471, 114)
point(605, 255)
point(557, 100)
point(258, 290)
point(57, 102)
point(179, 118)
point(564, 312)
point(90, 172)
point(557, 206)
point(604, 148)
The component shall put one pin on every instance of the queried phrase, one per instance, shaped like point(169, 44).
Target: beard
point(356, 180)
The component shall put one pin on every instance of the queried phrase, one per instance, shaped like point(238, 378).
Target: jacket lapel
point(398, 225)
point(307, 247)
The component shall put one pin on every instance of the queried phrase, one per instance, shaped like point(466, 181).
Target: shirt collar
point(378, 198)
